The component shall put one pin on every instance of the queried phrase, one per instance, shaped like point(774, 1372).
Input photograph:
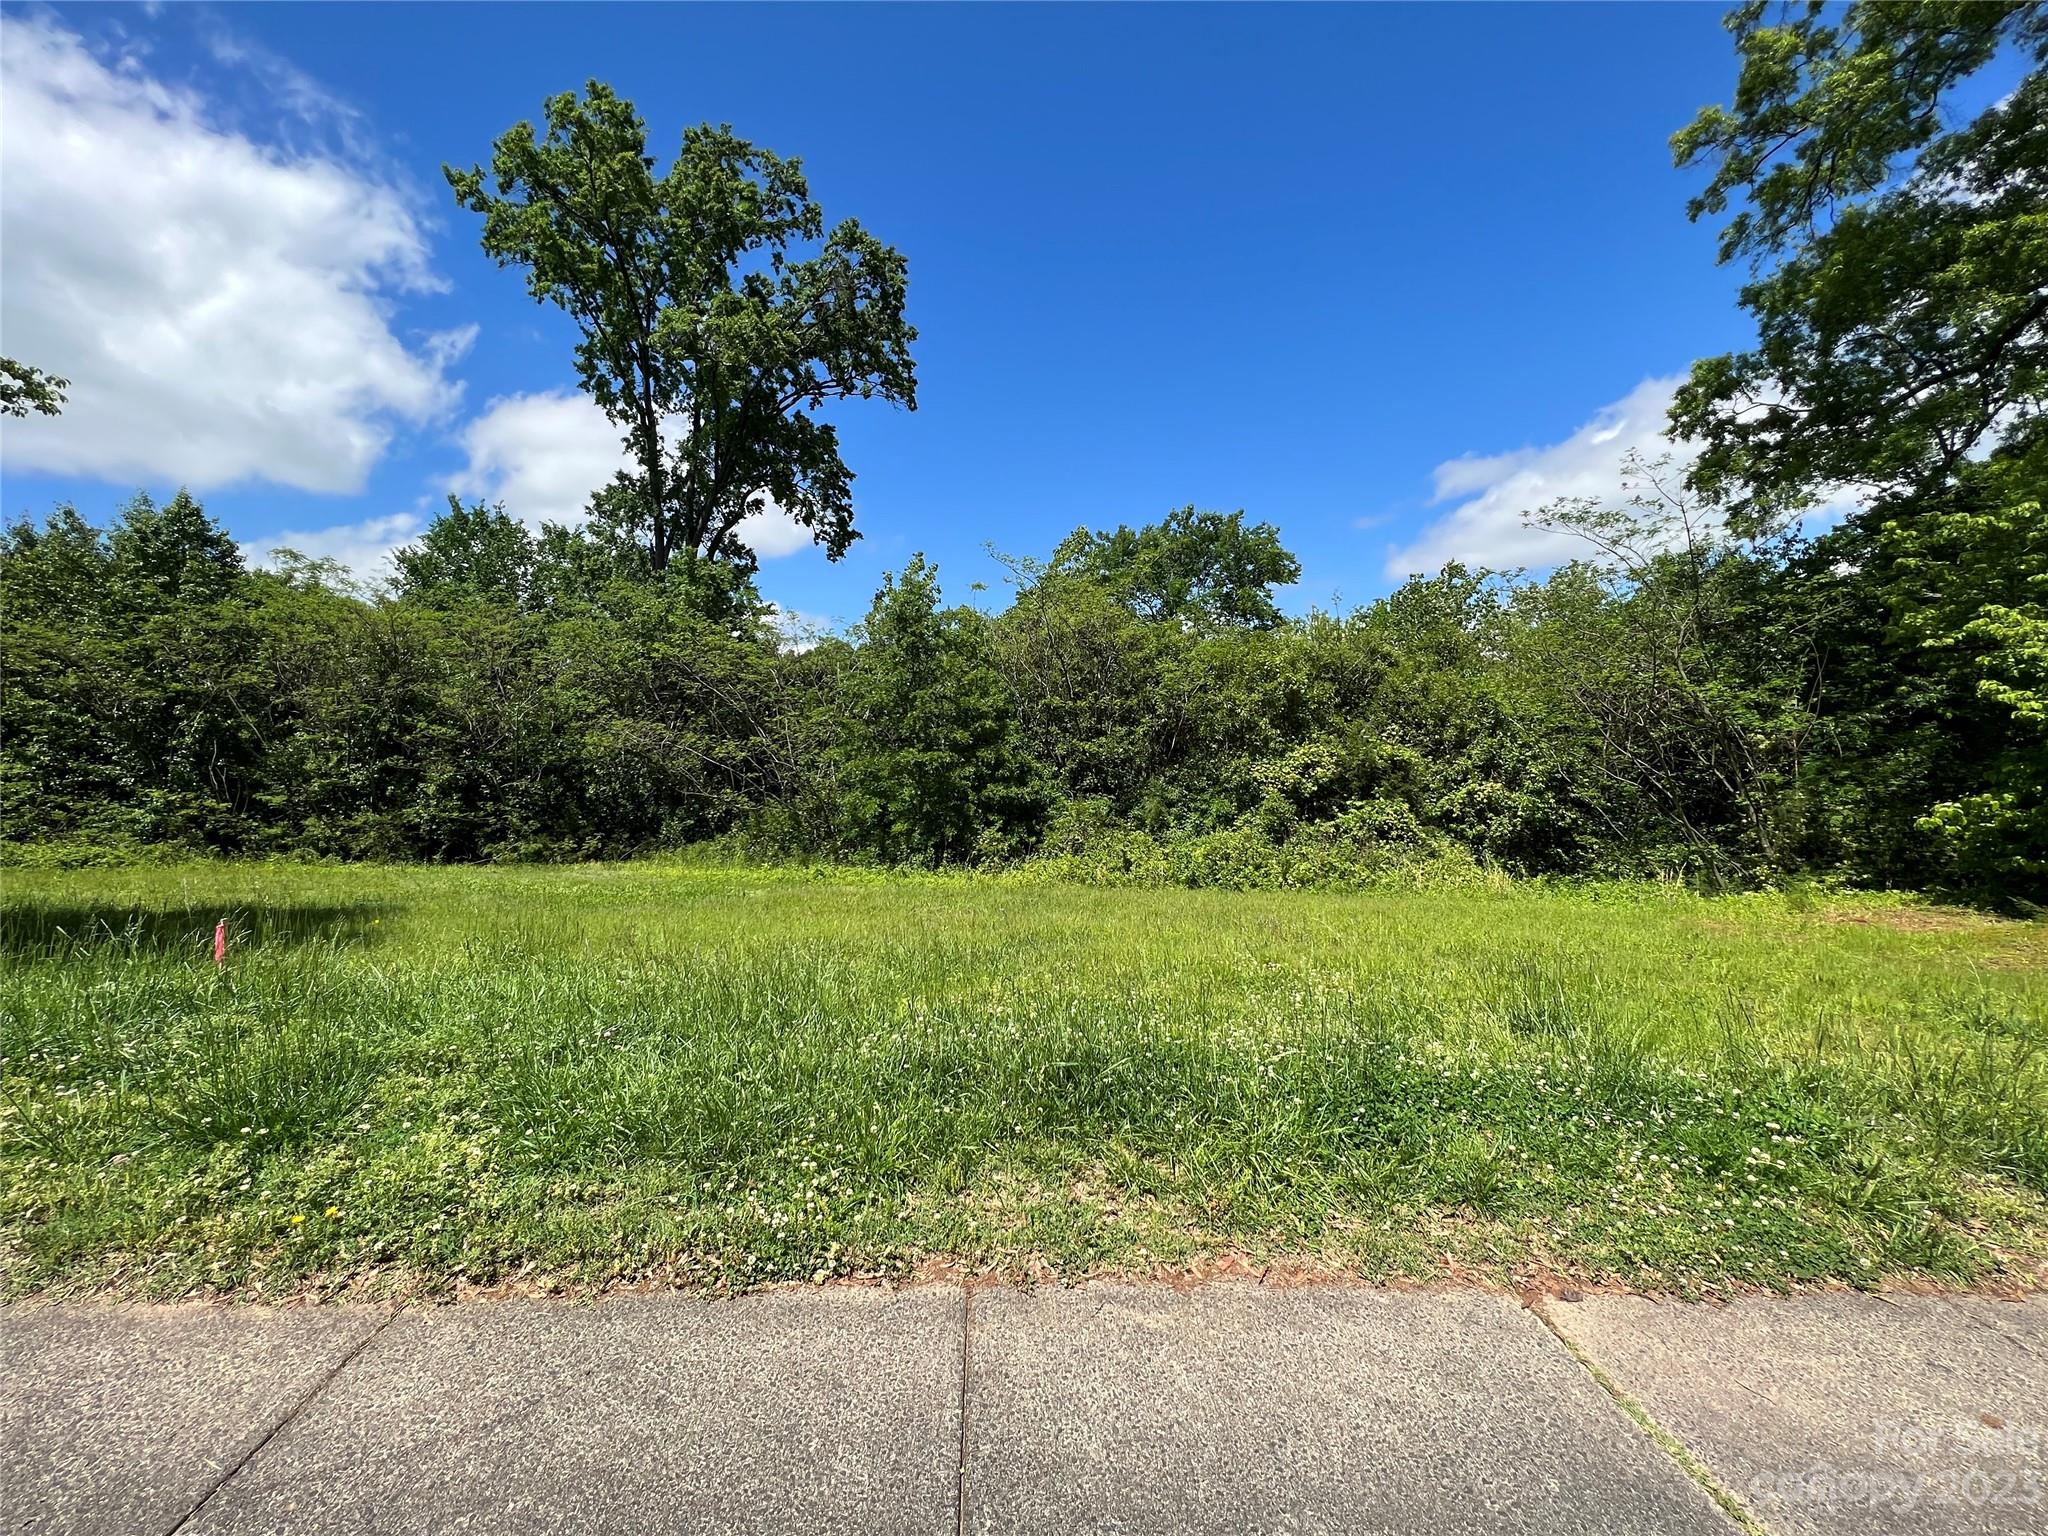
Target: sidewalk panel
point(118, 1419)
point(1232, 1408)
point(788, 1411)
point(1838, 1414)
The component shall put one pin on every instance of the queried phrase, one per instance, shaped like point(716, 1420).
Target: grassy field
point(408, 1077)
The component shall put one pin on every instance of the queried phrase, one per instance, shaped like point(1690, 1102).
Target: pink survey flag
point(220, 942)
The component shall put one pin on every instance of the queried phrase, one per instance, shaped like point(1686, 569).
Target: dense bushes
point(1695, 707)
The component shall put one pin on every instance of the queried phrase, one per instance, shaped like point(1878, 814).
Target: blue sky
point(1380, 275)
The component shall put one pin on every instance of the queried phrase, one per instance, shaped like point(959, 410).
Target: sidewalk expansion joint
point(966, 1355)
point(304, 1402)
point(1659, 1436)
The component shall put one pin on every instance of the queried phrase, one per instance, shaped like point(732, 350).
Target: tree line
point(1717, 690)
point(1716, 709)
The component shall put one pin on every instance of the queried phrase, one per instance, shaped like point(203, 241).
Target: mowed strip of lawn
point(408, 1077)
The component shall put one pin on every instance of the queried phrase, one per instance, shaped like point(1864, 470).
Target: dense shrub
point(548, 698)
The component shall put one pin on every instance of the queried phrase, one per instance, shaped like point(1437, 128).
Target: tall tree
point(60, 678)
point(1900, 257)
point(1711, 711)
point(708, 336)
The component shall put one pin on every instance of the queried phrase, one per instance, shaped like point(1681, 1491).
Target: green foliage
point(468, 553)
point(161, 559)
point(130, 701)
point(1902, 296)
point(1683, 704)
point(25, 388)
point(1195, 567)
point(516, 699)
point(1701, 697)
point(1829, 99)
point(928, 761)
point(706, 338)
point(1966, 579)
point(1900, 291)
point(1370, 845)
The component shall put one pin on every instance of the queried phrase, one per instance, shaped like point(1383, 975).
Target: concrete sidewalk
point(1126, 1408)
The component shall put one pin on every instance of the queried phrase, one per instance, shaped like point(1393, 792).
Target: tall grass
point(413, 1075)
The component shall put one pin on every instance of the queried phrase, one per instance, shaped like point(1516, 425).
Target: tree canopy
point(1899, 250)
point(1205, 567)
point(709, 336)
point(1901, 264)
point(468, 552)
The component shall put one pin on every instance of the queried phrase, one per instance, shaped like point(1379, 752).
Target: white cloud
point(543, 454)
point(772, 533)
point(365, 548)
point(1492, 493)
point(222, 308)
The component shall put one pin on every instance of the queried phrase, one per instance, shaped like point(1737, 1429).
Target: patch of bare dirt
point(1911, 919)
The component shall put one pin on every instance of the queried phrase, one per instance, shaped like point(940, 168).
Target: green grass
point(408, 1077)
